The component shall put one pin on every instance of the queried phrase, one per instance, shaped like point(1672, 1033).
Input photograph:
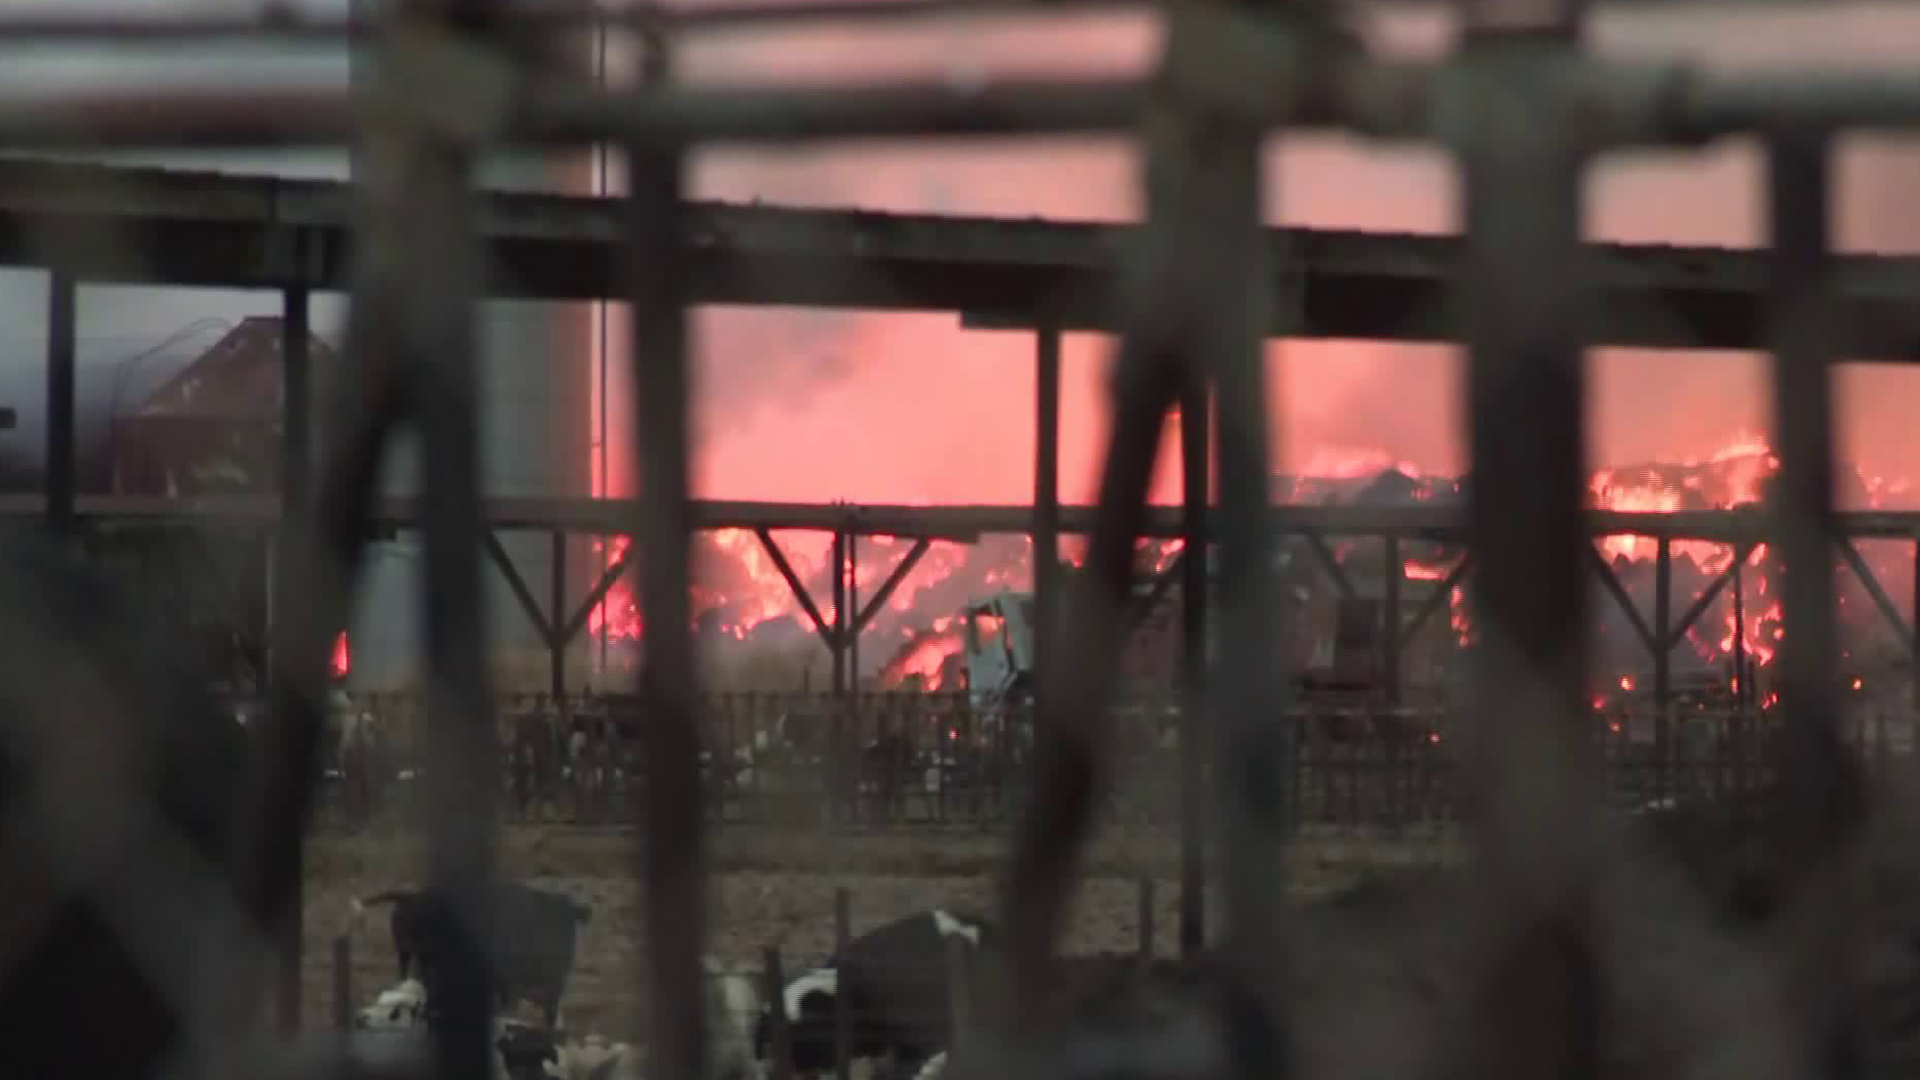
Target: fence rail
point(912, 760)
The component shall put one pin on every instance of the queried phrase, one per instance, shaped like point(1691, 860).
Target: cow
point(398, 1008)
point(533, 948)
point(107, 706)
point(520, 1050)
point(592, 1057)
point(893, 984)
point(733, 1009)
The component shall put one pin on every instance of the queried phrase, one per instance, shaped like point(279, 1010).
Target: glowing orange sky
point(818, 406)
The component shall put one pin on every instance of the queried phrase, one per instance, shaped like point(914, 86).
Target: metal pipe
point(63, 478)
point(439, 208)
point(557, 608)
point(1207, 174)
point(296, 452)
point(1196, 491)
point(1046, 497)
point(1627, 104)
point(672, 859)
point(1525, 295)
point(842, 619)
point(278, 20)
point(1662, 643)
point(1817, 804)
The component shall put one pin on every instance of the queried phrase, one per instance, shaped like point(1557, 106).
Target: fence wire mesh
point(1752, 913)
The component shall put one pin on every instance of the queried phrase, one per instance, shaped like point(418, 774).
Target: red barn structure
point(212, 429)
point(215, 427)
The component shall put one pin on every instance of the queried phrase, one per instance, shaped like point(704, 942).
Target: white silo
point(536, 364)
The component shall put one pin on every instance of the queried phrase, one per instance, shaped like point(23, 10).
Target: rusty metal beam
point(1439, 598)
point(1816, 803)
point(217, 230)
point(1162, 583)
point(1395, 569)
point(1662, 632)
point(1611, 584)
point(887, 587)
point(959, 523)
point(1329, 563)
point(521, 592)
point(62, 473)
point(1871, 582)
point(584, 612)
point(799, 588)
point(1707, 596)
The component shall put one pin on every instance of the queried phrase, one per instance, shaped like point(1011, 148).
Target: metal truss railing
point(1521, 107)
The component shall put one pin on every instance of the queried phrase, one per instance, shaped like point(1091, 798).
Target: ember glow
point(742, 600)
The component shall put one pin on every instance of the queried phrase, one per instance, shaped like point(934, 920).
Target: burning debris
point(742, 600)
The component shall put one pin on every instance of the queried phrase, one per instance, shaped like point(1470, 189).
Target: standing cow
point(893, 984)
point(533, 947)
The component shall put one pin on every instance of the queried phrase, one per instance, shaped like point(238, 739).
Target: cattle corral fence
point(1520, 104)
point(908, 761)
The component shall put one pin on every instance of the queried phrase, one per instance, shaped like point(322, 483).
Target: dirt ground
point(776, 888)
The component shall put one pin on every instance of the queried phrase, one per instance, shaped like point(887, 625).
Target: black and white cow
point(533, 950)
point(893, 984)
point(520, 1051)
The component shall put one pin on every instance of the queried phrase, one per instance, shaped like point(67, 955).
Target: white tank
point(536, 384)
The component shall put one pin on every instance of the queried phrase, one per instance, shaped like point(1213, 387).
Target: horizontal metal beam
point(152, 226)
point(959, 523)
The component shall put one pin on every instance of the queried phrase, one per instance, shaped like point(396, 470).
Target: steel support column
point(800, 592)
point(1678, 632)
point(1817, 805)
point(1534, 1006)
point(1330, 562)
point(674, 855)
point(1663, 651)
point(1395, 570)
point(1196, 462)
point(1046, 496)
point(296, 463)
point(296, 392)
point(837, 642)
point(63, 478)
point(1745, 695)
point(1440, 597)
point(852, 640)
point(557, 603)
point(865, 615)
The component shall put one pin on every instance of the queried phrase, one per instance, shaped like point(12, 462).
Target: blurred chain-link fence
point(1756, 912)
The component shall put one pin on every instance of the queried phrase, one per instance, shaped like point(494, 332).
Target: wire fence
point(129, 804)
point(900, 761)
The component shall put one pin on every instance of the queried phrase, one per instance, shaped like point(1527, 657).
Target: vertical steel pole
point(1662, 655)
point(1818, 805)
point(1525, 297)
point(1046, 496)
point(1913, 644)
point(1196, 483)
point(853, 615)
point(1395, 570)
point(62, 332)
point(1745, 695)
point(296, 454)
point(673, 858)
point(841, 622)
point(296, 394)
point(557, 621)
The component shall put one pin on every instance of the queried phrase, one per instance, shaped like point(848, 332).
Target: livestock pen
point(884, 761)
point(1535, 958)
